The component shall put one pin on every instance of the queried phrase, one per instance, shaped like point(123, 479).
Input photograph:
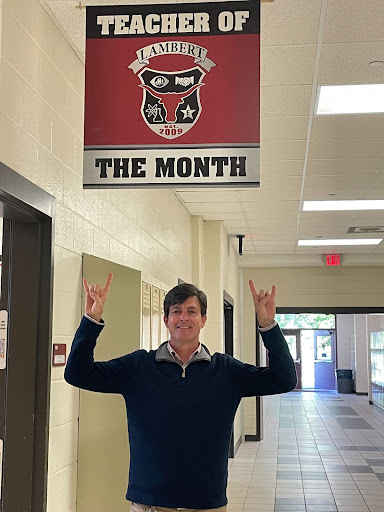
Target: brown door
point(25, 341)
point(292, 337)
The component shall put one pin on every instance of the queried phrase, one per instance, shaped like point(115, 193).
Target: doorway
point(314, 354)
point(26, 306)
point(344, 355)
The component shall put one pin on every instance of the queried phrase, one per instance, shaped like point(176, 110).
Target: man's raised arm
point(81, 370)
point(280, 375)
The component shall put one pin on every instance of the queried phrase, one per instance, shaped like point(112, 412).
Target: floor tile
point(321, 452)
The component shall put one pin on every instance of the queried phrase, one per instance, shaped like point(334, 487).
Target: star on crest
point(188, 112)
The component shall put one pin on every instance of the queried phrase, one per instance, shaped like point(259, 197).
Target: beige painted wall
point(41, 131)
point(221, 272)
point(41, 127)
point(307, 286)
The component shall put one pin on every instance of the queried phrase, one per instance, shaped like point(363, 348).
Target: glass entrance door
point(325, 357)
point(292, 337)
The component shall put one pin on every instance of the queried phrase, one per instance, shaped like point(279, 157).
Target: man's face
point(185, 321)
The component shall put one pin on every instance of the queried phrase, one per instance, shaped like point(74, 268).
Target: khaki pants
point(137, 507)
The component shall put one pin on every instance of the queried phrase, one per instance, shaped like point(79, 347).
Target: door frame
point(27, 262)
point(298, 360)
point(228, 304)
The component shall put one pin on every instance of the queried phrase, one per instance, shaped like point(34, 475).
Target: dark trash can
point(344, 381)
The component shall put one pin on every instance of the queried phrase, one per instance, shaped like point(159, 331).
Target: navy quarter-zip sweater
point(179, 427)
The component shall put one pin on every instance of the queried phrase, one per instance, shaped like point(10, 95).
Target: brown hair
point(181, 293)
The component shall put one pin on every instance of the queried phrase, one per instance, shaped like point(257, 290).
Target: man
point(180, 399)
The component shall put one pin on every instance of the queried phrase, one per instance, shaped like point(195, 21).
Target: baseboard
point(251, 438)
point(236, 447)
point(363, 394)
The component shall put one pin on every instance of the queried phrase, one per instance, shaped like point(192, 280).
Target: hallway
point(321, 452)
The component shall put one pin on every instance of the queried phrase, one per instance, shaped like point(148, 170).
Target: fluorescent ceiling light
point(350, 99)
point(341, 241)
point(364, 204)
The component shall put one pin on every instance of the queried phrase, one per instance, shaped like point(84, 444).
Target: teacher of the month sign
point(172, 95)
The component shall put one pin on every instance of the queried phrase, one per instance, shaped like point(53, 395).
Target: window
point(306, 321)
point(292, 345)
point(324, 347)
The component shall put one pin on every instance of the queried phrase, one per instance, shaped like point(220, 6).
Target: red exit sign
point(332, 260)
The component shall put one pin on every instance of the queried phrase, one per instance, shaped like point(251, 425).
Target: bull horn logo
point(171, 100)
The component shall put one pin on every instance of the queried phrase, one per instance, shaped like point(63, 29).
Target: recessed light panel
point(342, 241)
point(350, 99)
point(364, 204)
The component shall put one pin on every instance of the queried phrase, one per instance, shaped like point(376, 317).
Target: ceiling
point(304, 44)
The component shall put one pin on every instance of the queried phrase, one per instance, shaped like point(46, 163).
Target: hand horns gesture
point(265, 306)
point(96, 297)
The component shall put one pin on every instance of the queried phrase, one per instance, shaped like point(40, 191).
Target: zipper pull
point(183, 374)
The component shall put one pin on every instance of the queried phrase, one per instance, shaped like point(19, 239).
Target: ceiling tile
point(222, 216)
point(198, 208)
point(283, 128)
point(235, 223)
point(72, 20)
point(326, 216)
point(375, 219)
point(282, 150)
point(348, 63)
point(281, 168)
point(263, 206)
point(241, 230)
point(272, 214)
point(272, 223)
point(316, 194)
point(314, 223)
point(326, 232)
point(346, 148)
point(378, 181)
point(330, 182)
point(268, 233)
point(274, 243)
point(209, 196)
point(274, 249)
point(247, 245)
point(354, 20)
point(375, 193)
point(290, 22)
point(270, 195)
point(348, 126)
point(285, 182)
point(287, 65)
point(346, 166)
point(294, 100)
point(233, 232)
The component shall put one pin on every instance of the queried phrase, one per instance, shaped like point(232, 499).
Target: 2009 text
point(170, 130)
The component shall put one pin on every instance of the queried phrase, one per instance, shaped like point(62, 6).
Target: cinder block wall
point(41, 130)
point(41, 127)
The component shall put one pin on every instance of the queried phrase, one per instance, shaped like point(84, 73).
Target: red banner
point(173, 77)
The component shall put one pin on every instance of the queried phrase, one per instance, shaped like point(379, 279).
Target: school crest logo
point(171, 102)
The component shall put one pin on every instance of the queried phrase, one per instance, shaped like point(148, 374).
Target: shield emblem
point(171, 100)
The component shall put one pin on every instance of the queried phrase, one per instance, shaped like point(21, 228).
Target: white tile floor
point(321, 452)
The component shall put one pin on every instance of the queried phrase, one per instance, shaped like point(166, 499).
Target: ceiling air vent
point(366, 229)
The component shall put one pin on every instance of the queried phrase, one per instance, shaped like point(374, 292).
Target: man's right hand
point(96, 297)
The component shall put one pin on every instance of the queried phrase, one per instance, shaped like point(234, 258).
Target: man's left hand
point(265, 306)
